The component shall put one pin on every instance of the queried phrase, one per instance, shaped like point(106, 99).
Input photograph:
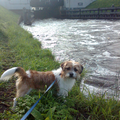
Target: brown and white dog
point(27, 80)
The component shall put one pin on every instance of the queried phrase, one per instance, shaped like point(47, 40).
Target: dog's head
point(71, 69)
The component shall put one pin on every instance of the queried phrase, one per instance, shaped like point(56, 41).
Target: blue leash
point(30, 110)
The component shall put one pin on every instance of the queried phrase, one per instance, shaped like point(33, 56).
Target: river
point(94, 43)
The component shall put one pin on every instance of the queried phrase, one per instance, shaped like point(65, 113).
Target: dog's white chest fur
point(65, 84)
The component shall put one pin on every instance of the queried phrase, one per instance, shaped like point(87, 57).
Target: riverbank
point(103, 4)
point(18, 48)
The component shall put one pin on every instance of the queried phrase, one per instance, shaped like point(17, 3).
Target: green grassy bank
point(104, 3)
point(18, 48)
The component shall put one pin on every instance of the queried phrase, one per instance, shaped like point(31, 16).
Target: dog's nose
point(71, 74)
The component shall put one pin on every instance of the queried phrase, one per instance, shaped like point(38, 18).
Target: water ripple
point(95, 43)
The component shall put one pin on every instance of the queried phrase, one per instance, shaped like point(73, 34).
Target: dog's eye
point(68, 68)
point(75, 70)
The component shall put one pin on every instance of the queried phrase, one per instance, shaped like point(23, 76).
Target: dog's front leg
point(14, 103)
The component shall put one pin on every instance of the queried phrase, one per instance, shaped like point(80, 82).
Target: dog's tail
point(11, 72)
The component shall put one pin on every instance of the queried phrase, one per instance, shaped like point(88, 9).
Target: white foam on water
point(80, 40)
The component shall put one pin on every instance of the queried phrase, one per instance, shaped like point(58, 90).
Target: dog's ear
point(81, 69)
point(62, 65)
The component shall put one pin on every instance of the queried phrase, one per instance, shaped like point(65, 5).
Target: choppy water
point(94, 43)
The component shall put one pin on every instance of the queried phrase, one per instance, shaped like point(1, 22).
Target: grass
point(18, 48)
point(104, 4)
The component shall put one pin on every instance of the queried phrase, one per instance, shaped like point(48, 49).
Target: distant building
point(20, 4)
point(15, 4)
point(77, 3)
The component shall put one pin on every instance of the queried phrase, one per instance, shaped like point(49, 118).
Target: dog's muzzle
point(71, 74)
